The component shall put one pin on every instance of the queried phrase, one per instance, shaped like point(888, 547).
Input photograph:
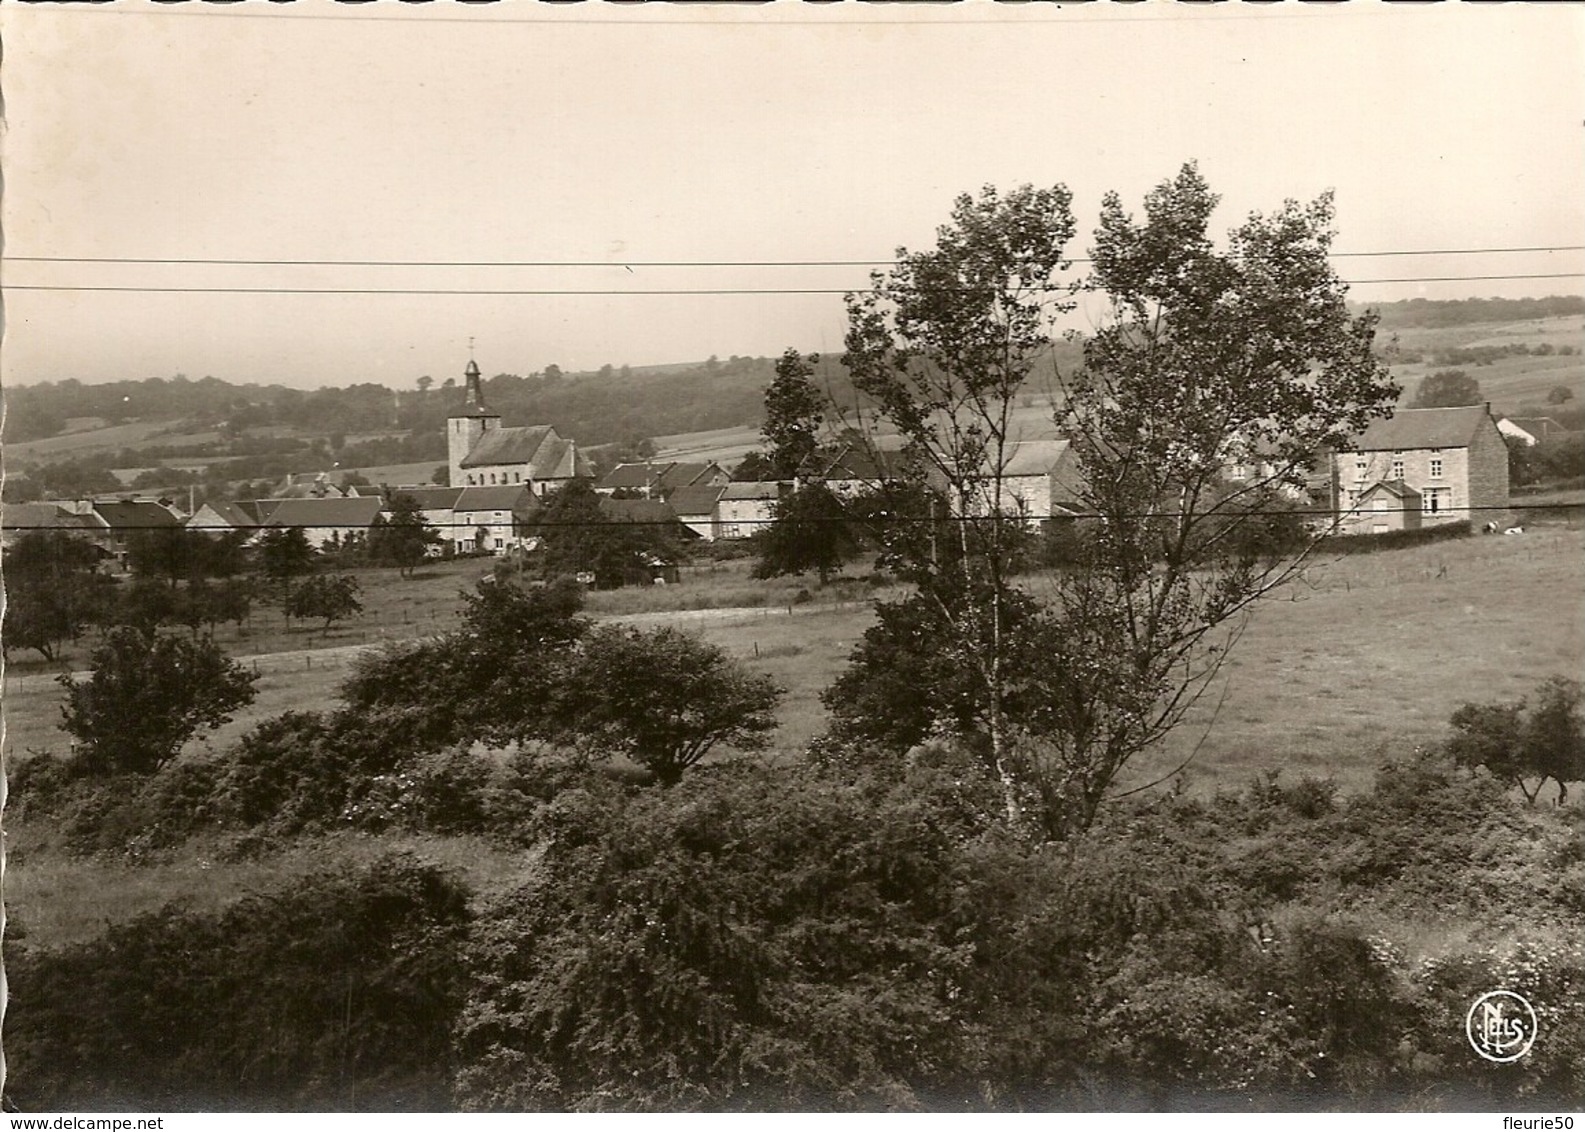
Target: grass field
point(1513, 383)
point(1365, 657)
point(1365, 652)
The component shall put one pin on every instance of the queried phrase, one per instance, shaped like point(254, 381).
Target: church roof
point(519, 445)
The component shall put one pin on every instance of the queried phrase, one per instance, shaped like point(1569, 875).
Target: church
point(483, 454)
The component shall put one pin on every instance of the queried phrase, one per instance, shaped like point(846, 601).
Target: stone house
point(1454, 459)
point(696, 509)
point(747, 507)
point(490, 518)
point(322, 520)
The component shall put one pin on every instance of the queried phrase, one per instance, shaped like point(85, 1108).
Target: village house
point(1531, 430)
point(1442, 465)
point(322, 520)
point(660, 479)
point(16, 519)
point(695, 508)
point(223, 518)
point(111, 523)
point(744, 508)
point(1040, 480)
point(490, 519)
point(855, 467)
point(481, 453)
point(437, 507)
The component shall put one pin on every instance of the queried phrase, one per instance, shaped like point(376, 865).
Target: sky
point(627, 137)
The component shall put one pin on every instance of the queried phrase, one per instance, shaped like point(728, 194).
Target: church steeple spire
point(466, 426)
point(473, 400)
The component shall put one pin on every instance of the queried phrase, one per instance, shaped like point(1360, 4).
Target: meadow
point(1360, 660)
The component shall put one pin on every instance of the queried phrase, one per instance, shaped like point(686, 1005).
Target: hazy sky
point(619, 135)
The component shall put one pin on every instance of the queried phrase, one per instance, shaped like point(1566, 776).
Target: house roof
point(136, 514)
point(1035, 457)
point(308, 486)
point(751, 489)
point(695, 500)
point(1423, 428)
point(231, 514)
point(680, 475)
point(514, 497)
point(633, 475)
point(430, 498)
point(44, 516)
point(355, 512)
point(860, 462)
point(1539, 427)
point(1392, 487)
point(637, 510)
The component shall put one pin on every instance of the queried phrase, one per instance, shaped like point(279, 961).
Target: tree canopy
point(147, 695)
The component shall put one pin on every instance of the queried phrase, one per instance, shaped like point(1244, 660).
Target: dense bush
point(1394, 540)
point(335, 991)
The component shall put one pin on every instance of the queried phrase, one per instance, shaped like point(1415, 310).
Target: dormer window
point(1397, 469)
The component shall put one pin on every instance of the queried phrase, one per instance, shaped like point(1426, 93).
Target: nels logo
point(1501, 1026)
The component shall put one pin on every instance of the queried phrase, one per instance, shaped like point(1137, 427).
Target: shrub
point(147, 695)
point(336, 991)
point(748, 939)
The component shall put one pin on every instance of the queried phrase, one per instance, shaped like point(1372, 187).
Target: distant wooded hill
point(599, 407)
point(1434, 313)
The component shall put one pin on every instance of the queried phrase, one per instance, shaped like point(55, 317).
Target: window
point(1433, 500)
point(492, 477)
point(499, 542)
point(1361, 466)
point(1436, 468)
point(1397, 469)
point(1239, 472)
point(500, 516)
point(517, 477)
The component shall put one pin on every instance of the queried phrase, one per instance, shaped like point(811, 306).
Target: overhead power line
point(227, 262)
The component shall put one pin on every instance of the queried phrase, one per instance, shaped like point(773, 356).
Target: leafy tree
point(284, 554)
point(403, 539)
point(576, 535)
point(147, 695)
point(51, 587)
point(755, 467)
point(1446, 388)
point(145, 604)
point(811, 531)
point(493, 678)
point(441, 475)
point(664, 699)
point(1208, 357)
point(162, 552)
point(333, 597)
point(943, 344)
point(794, 414)
point(1559, 395)
point(1518, 743)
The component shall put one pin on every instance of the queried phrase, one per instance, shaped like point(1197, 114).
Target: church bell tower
point(466, 427)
